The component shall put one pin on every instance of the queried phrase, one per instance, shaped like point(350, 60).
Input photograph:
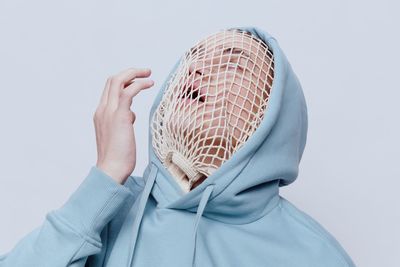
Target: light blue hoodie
point(235, 217)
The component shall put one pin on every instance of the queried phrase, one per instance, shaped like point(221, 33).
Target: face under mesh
point(212, 104)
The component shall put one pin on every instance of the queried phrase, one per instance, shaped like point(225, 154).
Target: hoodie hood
point(245, 187)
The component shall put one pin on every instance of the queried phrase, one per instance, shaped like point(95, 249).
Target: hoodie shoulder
point(327, 248)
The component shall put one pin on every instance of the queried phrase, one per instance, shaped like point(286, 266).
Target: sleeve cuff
point(96, 201)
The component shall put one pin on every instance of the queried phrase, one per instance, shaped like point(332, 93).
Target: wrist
point(113, 172)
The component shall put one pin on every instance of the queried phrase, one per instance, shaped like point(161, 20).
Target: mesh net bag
point(212, 104)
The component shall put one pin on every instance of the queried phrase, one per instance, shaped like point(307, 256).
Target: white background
point(55, 57)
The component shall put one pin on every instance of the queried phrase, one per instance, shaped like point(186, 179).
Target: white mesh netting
point(212, 104)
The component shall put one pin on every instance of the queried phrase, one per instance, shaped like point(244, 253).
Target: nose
point(197, 67)
point(195, 73)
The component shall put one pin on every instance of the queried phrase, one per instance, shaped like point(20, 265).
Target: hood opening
point(271, 153)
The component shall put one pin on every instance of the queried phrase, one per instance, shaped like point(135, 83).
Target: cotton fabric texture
point(235, 217)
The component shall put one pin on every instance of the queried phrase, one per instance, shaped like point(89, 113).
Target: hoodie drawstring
point(203, 202)
point(141, 208)
point(142, 205)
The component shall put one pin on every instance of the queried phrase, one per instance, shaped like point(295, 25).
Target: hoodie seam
point(136, 182)
point(319, 234)
point(76, 252)
point(265, 215)
point(247, 222)
point(53, 218)
point(95, 223)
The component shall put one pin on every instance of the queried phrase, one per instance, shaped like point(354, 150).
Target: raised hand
point(113, 120)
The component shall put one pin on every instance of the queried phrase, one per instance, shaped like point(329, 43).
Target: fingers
point(118, 82)
point(104, 95)
point(131, 91)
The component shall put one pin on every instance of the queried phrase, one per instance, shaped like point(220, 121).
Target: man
point(227, 129)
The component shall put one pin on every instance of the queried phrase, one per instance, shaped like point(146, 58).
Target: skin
point(113, 120)
point(227, 79)
point(235, 81)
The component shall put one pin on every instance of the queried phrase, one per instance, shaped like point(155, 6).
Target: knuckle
point(116, 79)
point(126, 95)
point(95, 118)
point(135, 86)
point(96, 115)
point(132, 116)
point(132, 69)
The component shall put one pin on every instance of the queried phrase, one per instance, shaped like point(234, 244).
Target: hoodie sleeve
point(71, 233)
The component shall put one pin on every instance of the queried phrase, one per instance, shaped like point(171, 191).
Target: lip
point(191, 101)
